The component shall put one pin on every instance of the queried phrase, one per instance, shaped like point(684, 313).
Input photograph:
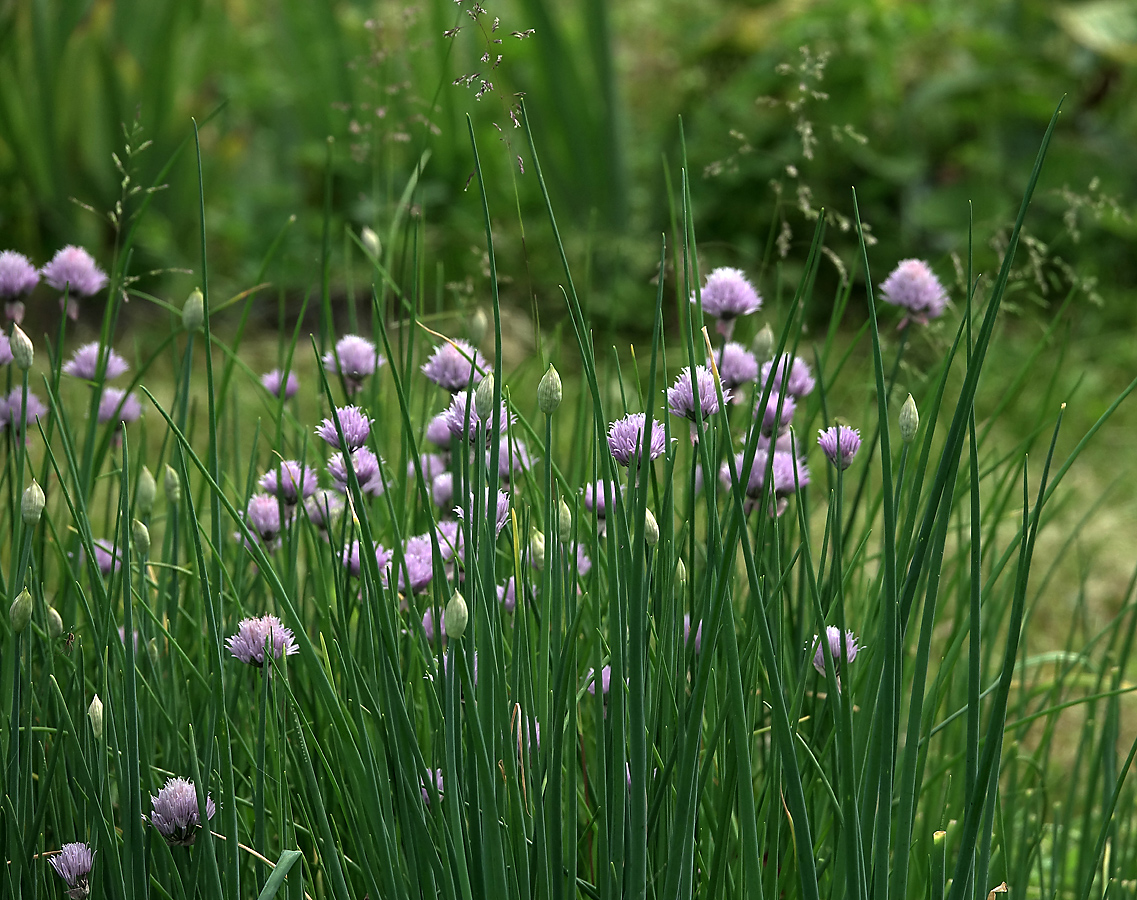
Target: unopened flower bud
point(20, 612)
point(479, 324)
point(909, 420)
point(54, 623)
point(651, 529)
point(152, 651)
point(172, 485)
point(141, 537)
point(680, 578)
point(23, 353)
point(483, 399)
point(31, 506)
point(763, 345)
point(145, 492)
point(455, 616)
point(564, 521)
point(95, 714)
point(193, 313)
point(549, 391)
point(537, 550)
point(370, 241)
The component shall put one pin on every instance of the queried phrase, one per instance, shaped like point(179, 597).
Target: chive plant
point(485, 633)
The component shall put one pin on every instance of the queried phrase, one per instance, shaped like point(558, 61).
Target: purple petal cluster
point(84, 362)
point(507, 595)
point(840, 444)
point(442, 490)
point(354, 423)
point(74, 270)
point(513, 459)
point(736, 365)
point(107, 558)
point(789, 372)
point(450, 540)
point(433, 465)
point(354, 358)
point(17, 275)
point(322, 508)
point(73, 864)
point(913, 286)
point(789, 475)
point(419, 561)
point(116, 405)
point(727, 295)
point(681, 396)
point(248, 644)
point(438, 431)
point(5, 349)
point(687, 633)
point(833, 638)
point(625, 438)
point(502, 515)
point(461, 406)
point(366, 465)
point(274, 382)
point(12, 410)
point(605, 680)
point(436, 776)
point(263, 516)
point(452, 364)
point(289, 482)
point(175, 812)
point(777, 413)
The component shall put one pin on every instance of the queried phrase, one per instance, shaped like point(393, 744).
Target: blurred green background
point(925, 107)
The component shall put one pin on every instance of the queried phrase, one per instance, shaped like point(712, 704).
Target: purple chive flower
point(5, 349)
point(625, 438)
point(73, 271)
point(17, 277)
point(418, 556)
point(116, 405)
point(681, 395)
point(175, 812)
point(107, 558)
point(289, 482)
point(913, 286)
point(788, 474)
point(133, 634)
point(354, 358)
point(322, 508)
point(833, 637)
point(354, 423)
point(507, 595)
point(274, 382)
point(773, 420)
point(432, 464)
point(452, 363)
point(737, 365)
point(513, 459)
point(450, 541)
point(456, 417)
point(727, 295)
point(583, 563)
point(438, 431)
point(350, 558)
point(442, 490)
point(84, 362)
point(840, 444)
point(12, 411)
point(366, 465)
point(263, 516)
point(73, 864)
point(502, 509)
point(687, 633)
point(596, 498)
point(248, 644)
point(436, 776)
point(428, 624)
point(800, 381)
point(605, 680)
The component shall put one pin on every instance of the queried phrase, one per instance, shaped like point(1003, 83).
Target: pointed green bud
point(909, 420)
point(193, 313)
point(764, 343)
point(564, 521)
point(31, 506)
point(95, 714)
point(23, 353)
point(680, 578)
point(20, 612)
point(537, 550)
point(172, 485)
point(549, 391)
point(371, 242)
point(479, 325)
point(140, 535)
point(54, 623)
point(145, 493)
point(483, 399)
point(651, 529)
point(455, 616)
point(152, 651)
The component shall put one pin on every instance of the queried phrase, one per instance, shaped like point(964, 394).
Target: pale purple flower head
point(17, 275)
point(176, 814)
point(419, 559)
point(433, 465)
point(513, 458)
point(107, 557)
point(248, 644)
point(436, 775)
point(737, 365)
point(583, 563)
point(800, 381)
point(263, 516)
point(625, 439)
point(323, 507)
point(502, 509)
point(456, 417)
point(274, 382)
point(727, 295)
point(350, 558)
point(913, 286)
point(507, 595)
point(116, 405)
point(428, 624)
point(289, 482)
point(84, 362)
point(5, 349)
point(452, 363)
point(840, 444)
point(73, 269)
point(354, 358)
point(605, 680)
point(442, 490)
point(775, 420)
point(450, 540)
point(687, 633)
point(681, 395)
point(366, 465)
point(438, 431)
point(354, 423)
point(788, 474)
point(596, 498)
point(12, 410)
point(73, 864)
point(833, 638)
